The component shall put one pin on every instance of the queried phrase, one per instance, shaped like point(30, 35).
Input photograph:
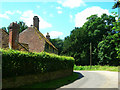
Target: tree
point(116, 5)
point(107, 52)
point(4, 28)
point(58, 44)
point(78, 43)
point(109, 47)
point(117, 37)
point(96, 28)
point(23, 26)
point(75, 45)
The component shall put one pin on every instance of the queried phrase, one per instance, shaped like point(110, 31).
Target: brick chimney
point(48, 36)
point(36, 22)
point(13, 35)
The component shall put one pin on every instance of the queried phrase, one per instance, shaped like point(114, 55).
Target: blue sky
point(58, 17)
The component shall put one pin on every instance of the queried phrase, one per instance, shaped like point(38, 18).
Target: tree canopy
point(98, 31)
point(22, 25)
point(58, 44)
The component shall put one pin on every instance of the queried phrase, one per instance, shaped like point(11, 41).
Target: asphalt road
point(95, 79)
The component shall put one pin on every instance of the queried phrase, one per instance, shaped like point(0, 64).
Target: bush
point(17, 63)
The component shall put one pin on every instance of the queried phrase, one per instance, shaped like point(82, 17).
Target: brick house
point(31, 39)
point(4, 41)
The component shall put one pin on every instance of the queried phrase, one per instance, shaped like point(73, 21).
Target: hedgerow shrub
point(17, 63)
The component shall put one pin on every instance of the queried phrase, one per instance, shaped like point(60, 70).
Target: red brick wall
point(4, 38)
point(36, 22)
point(14, 35)
point(30, 37)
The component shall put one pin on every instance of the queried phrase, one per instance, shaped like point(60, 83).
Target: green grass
point(55, 83)
point(97, 68)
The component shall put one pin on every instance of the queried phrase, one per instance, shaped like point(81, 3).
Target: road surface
point(94, 79)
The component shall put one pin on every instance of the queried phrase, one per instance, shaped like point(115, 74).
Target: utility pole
point(90, 55)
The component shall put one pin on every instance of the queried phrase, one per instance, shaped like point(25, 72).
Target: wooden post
point(90, 55)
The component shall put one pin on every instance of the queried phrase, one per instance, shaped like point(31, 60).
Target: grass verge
point(97, 68)
point(55, 83)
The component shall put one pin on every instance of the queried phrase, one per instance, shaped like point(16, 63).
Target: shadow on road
point(73, 80)
point(70, 81)
point(80, 75)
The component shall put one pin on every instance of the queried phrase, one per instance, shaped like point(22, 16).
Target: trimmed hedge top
point(17, 63)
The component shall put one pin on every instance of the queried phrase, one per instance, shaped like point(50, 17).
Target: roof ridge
point(4, 31)
point(23, 47)
point(44, 37)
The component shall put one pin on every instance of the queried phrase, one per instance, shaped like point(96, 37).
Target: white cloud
point(58, 8)
point(59, 2)
point(80, 18)
point(19, 12)
point(54, 34)
point(72, 3)
point(4, 16)
point(59, 12)
point(9, 12)
point(27, 17)
point(71, 17)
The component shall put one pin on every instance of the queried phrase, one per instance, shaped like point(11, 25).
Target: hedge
point(17, 63)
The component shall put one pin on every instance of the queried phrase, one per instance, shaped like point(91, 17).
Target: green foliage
point(107, 53)
point(78, 43)
point(116, 37)
point(109, 47)
point(58, 44)
point(16, 63)
point(97, 67)
point(21, 24)
point(6, 29)
point(116, 5)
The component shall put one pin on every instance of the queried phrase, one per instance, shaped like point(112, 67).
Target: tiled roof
point(39, 33)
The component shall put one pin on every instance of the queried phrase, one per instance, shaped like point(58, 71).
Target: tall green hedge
point(17, 63)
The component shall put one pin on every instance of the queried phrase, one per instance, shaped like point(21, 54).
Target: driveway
point(95, 79)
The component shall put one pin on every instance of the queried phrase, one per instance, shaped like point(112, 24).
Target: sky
point(57, 17)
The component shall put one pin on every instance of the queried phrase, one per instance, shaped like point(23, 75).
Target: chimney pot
point(36, 22)
point(13, 35)
point(48, 36)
